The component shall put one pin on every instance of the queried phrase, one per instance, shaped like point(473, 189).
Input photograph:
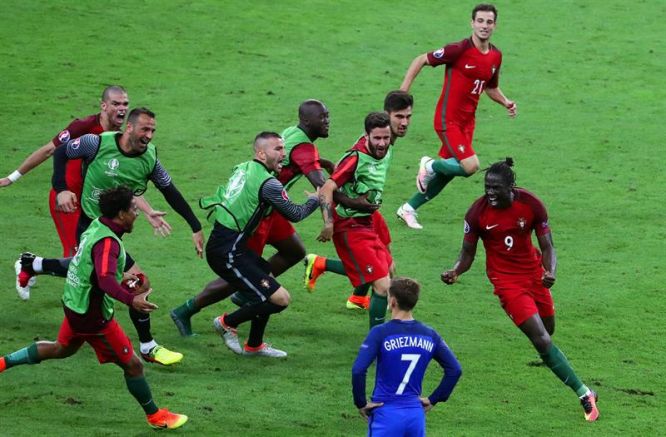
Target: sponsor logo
point(489, 227)
point(469, 67)
point(438, 53)
point(63, 136)
point(75, 144)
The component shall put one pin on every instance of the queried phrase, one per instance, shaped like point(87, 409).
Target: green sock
point(139, 388)
point(436, 185)
point(187, 310)
point(377, 310)
point(448, 167)
point(560, 366)
point(335, 266)
point(361, 290)
point(27, 355)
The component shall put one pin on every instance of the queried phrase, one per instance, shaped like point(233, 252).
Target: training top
point(468, 73)
point(507, 234)
point(301, 156)
point(403, 349)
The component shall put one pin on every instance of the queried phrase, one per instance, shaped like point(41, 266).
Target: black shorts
point(228, 256)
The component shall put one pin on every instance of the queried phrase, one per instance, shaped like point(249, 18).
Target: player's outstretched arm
point(326, 205)
point(37, 157)
point(155, 218)
point(548, 259)
point(498, 96)
point(464, 262)
point(414, 69)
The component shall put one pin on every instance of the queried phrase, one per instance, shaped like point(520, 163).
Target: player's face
point(483, 25)
point(115, 108)
point(273, 152)
point(400, 121)
point(141, 133)
point(499, 194)
point(128, 217)
point(379, 140)
point(320, 122)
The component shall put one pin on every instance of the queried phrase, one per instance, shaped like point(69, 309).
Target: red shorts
point(364, 256)
point(65, 224)
point(522, 299)
point(272, 228)
point(111, 344)
point(457, 141)
point(381, 228)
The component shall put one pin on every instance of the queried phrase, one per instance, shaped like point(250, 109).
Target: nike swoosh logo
point(379, 319)
point(469, 67)
point(491, 226)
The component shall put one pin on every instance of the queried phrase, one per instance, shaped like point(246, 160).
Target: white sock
point(147, 347)
point(428, 166)
point(407, 207)
point(587, 393)
point(37, 264)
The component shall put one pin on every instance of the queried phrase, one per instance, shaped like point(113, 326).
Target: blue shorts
point(398, 420)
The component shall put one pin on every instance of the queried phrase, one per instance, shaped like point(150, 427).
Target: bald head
point(313, 119)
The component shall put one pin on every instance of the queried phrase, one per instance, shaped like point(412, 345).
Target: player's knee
point(134, 367)
point(542, 342)
point(281, 297)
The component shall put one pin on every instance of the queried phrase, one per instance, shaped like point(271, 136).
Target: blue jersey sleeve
point(366, 355)
point(452, 371)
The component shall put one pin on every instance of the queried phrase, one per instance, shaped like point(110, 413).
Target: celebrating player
point(113, 158)
point(398, 105)
point(403, 347)
point(472, 67)
point(236, 210)
point(361, 173)
point(93, 281)
point(504, 219)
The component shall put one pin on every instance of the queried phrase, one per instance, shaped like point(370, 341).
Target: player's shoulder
point(477, 206)
point(87, 122)
point(495, 49)
point(524, 196)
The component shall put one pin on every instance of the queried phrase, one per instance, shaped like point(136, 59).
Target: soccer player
point(403, 347)
point(113, 158)
point(361, 172)
point(472, 67)
point(93, 282)
point(301, 159)
point(398, 105)
point(236, 211)
point(504, 218)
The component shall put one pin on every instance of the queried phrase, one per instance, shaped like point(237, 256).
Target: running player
point(504, 218)
point(472, 67)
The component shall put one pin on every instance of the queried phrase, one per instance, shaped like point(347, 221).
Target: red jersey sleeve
point(472, 228)
point(105, 255)
point(78, 128)
point(306, 157)
point(447, 54)
point(344, 171)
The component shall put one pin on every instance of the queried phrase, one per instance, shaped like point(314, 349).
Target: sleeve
point(447, 54)
point(540, 224)
point(471, 228)
point(160, 176)
point(84, 147)
point(305, 156)
point(274, 193)
point(75, 129)
point(452, 371)
point(176, 201)
point(494, 81)
point(366, 355)
point(344, 171)
point(105, 256)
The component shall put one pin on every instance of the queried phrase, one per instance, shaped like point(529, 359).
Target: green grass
point(587, 141)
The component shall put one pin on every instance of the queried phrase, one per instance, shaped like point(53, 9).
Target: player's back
point(405, 348)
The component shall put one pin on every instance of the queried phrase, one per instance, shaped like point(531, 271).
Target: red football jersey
point(303, 159)
point(468, 73)
point(77, 128)
point(507, 234)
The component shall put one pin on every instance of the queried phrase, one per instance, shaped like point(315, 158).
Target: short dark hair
point(503, 170)
point(375, 120)
point(397, 101)
point(137, 112)
point(265, 135)
point(405, 291)
point(305, 109)
point(114, 200)
point(112, 89)
point(485, 7)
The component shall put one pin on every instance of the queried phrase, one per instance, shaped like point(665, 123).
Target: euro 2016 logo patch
point(438, 53)
point(113, 164)
point(63, 136)
point(467, 228)
point(75, 144)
